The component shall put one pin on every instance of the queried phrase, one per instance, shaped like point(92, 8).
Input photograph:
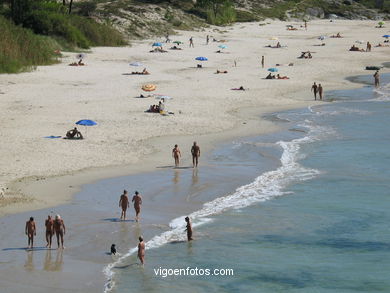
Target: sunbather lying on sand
point(74, 134)
point(143, 72)
point(221, 71)
point(175, 48)
point(158, 50)
point(241, 88)
point(336, 36)
point(80, 63)
point(354, 48)
point(281, 77)
point(306, 55)
point(270, 76)
point(382, 45)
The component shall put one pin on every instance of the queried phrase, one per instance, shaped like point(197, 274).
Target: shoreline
point(37, 191)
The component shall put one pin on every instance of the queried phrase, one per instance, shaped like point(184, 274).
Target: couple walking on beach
point(55, 226)
point(317, 89)
point(124, 203)
point(195, 152)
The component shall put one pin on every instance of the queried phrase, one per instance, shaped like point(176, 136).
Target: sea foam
point(265, 187)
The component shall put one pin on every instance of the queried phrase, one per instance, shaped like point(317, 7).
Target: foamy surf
point(265, 187)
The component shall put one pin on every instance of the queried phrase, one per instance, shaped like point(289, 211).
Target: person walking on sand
point(368, 48)
point(320, 91)
point(207, 39)
point(191, 42)
point(314, 89)
point(188, 229)
point(262, 61)
point(30, 231)
point(176, 155)
point(141, 250)
point(124, 204)
point(49, 230)
point(376, 78)
point(137, 199)
point(59, 229)
point(195, 152)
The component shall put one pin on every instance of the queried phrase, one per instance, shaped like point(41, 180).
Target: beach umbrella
point(149, 87)
point(157, 44)
point(381, 23)
point(273, 69)
point(322, 38)
point(201, 59)
point(81, 56)
point(177, 42)
point(386, 36)
point(86, 122)
point(222, 46)
point(136, 64)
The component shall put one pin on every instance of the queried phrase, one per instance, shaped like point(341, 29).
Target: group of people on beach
point(317, 89)
point(55, 226)
point(195, 152)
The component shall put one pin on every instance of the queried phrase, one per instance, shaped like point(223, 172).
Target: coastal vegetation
point(34, 30)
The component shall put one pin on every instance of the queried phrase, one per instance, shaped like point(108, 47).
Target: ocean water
point(318, 221)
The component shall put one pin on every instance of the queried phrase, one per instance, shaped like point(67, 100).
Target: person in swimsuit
point(176, 155)
point(195, 151)
point(124, 204)
point(30, 231)
point(141, 250)
point(59, 229)
point(320, 91)
point(137, 199)
point(49, 230)
point(188, 229)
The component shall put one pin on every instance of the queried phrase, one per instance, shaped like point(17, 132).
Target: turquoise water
point(318, 223)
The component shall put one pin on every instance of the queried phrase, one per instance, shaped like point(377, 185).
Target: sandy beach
point(51, 99)
point(38, 172)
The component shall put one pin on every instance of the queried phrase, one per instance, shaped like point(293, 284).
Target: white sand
point(51, 99)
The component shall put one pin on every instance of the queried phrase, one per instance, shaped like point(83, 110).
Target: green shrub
point(21, 49)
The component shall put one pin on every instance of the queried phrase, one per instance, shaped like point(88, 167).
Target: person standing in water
point(176, 155)
point(30, 231)
point(314, 89)
point(137, 199)
point(195, 151)
point(320, 91)
point(141, 250)
point(376, 78)
point(49, 230)
point(124, 204)
point(189, 229)
point(59, 229)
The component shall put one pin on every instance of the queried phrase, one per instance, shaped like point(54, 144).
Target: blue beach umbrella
point(386, 36)
point(222, 46)
point(157, 44)
point(273, 69)
point(201, 59)
point(86, 122)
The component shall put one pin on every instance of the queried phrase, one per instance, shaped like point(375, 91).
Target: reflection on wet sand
point(56, 265)
point(29, 265)
point(195, 178)
point(176, 177)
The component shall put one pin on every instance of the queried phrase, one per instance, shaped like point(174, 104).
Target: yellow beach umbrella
point(149, 87)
